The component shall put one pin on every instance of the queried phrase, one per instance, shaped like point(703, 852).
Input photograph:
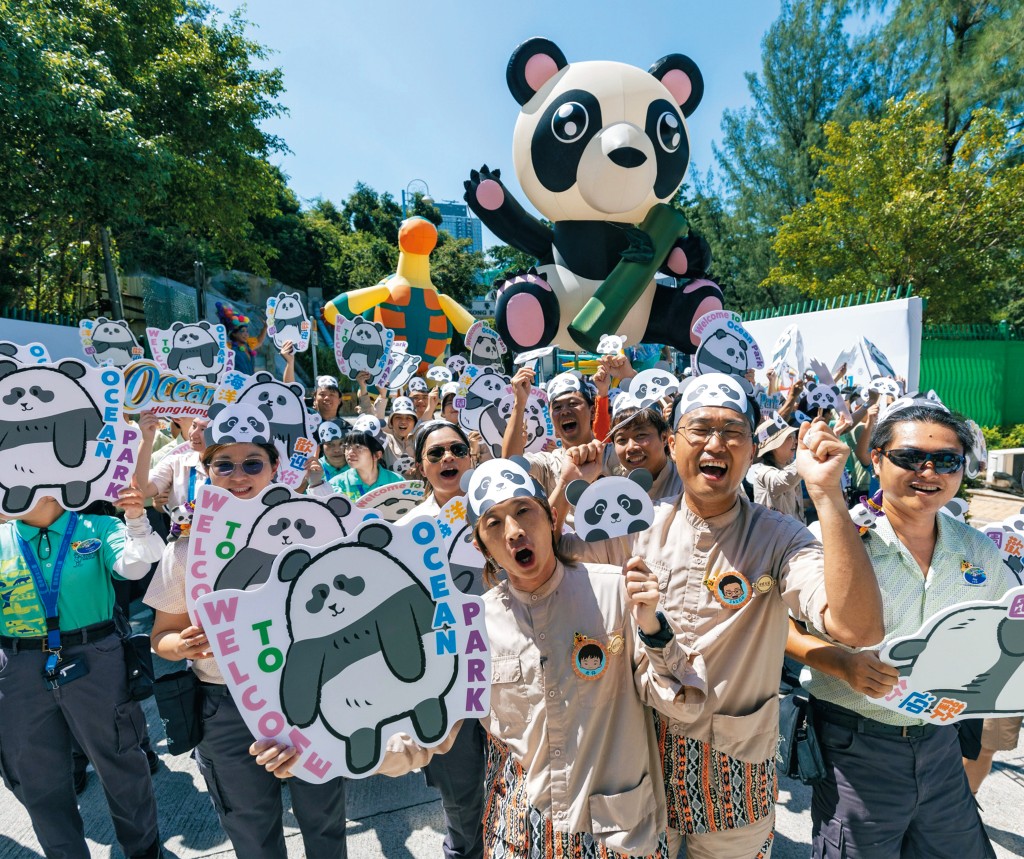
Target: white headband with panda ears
point(907, 402)
point(716, 383)
point(482, 493)
point(223, 421)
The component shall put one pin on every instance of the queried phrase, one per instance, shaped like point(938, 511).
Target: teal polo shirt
point(349, 483)
point(86, 588)
point(330, 472)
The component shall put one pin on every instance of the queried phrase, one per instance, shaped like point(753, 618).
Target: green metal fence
point(25, 314)
point(983, 379)
point(815, 304)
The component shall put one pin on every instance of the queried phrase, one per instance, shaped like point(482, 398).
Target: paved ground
point(401, 818)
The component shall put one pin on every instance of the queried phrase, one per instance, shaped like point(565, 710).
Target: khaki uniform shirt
point(778, 489)
point(393, 449)
point(742, 647)
point(909, 598)
point(586, 745)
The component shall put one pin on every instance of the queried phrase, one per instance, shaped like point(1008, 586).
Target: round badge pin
point(87, 547)
point(973, 575)
point(764, 583)
point(732, 589)
point(589, 658)
point(615, 644)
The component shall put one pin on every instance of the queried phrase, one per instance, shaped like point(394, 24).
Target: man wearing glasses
point(730, 573)
point(894, 785)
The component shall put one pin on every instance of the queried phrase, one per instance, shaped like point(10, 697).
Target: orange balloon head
point(417, 236)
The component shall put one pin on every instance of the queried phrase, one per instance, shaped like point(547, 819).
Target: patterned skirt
point(708, 791)
point(514, 829)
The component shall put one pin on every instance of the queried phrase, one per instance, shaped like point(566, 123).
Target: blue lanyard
point(48, 594)
point(192, 485)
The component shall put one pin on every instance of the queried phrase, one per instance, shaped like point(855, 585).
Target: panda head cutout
point(611, 344)
point(486, 389)
point(112, 337)
point(722, 351)
point(370, 424)
point(456, 365)
point(822, 397)
point(332, 430)
point(887, 387)
point(289, 520)
point(600, 141)
point(612, 506)
point(440, 375)
point(495, 481)
point(187, 336)
point(714, 390)
point(239, 422)
point(649, 386)
point(289, 309)
point(280, 403)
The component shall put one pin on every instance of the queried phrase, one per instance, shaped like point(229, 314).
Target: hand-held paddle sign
point(108, 341)
point(965, 662)
point(196, 350)
point(62, 434)
point(351, 642)
point(287, 320)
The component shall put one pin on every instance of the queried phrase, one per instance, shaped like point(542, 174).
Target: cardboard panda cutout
point(821, 398)
point(287, 320)
point(282, 406)
point(195, 351)
point(62, 434)
point(109, 341)
point(239, 422)
point(598, 148)
point(612, 506)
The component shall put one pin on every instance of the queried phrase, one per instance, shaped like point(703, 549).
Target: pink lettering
point(226, 640)
point(200, 590)
point(297, 739)
point(213, 500)
point(271, 724)
point(202, 523)
point(198, 570)
point(249, 703)
point(237, 675)
point(197, 547)
point(222, 610)
point(476, 671)
point(316, 765)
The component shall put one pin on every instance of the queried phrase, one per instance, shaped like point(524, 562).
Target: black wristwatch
point(660, 638)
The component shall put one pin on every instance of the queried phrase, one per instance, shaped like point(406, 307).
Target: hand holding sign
point(643, 593)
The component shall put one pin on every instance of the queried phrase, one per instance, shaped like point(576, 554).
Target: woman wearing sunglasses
point(576, 654)
point(924, 562)
point(247, 799)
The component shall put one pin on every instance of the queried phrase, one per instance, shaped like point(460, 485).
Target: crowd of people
point(634, 681)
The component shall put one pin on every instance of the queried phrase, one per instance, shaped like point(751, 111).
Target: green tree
point(893, 212)
point(507, 260)
point(766, 159)
point(967, 54)
point(455, 269)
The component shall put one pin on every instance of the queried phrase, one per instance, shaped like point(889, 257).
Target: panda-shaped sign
point(239, 422)
point(821, 398)
point(287, 320)
point(598, 146)
point(109, 341)
point(362, 346)
point(282, 406)
point(612, 506)
point(480, 404)
point(650, 386)
point(195, 351)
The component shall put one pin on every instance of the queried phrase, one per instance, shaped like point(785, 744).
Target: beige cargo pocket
point(752, 738)
point(623, 813)
point(510, 704)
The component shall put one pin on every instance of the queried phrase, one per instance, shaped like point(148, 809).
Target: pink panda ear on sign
point(532, 65)
point(681, 77)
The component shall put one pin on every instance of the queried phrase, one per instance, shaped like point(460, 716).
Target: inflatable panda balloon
point(598, 147)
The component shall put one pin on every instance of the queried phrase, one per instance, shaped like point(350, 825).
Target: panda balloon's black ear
point(72, 369)
point(276, 495)
point(574, 491)
point(532, 65)
point(642, 478)
point(681, 77)
point(292, 564)
point(375, 534)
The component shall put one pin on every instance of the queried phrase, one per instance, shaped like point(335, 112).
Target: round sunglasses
point(225, 468)
point(913, 459)
point(459, 450)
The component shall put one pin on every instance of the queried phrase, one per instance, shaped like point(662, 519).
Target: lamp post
point(407, 196)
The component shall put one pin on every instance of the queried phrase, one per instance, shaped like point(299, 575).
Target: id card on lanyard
point(49, 593)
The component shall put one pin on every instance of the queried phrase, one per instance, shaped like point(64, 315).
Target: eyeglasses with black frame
point(459, 449)
point(914, 459)
point(225, 467)
point(698, 434)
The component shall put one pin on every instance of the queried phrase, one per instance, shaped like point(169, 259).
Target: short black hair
point(881, 436)
point(424, 430)
point(651, 416)
point(366, 440)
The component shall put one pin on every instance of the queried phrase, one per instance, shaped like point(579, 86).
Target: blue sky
point(387, 92)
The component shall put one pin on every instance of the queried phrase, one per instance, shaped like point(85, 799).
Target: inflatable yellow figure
point(407, 302)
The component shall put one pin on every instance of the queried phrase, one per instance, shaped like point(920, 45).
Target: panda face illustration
point(713, 390)
point(721, 351)
point(487, 389)
point(237, 423)
point(628, 153)
point(485, 351)
point(495, 481)
point(394, 507)
point(368, 423)
point(403, 464)
point(113, 342)
point(886, 387)
point(50, 434)
point(612, 506)
point(289, 309)
point(194, 351)
point(456, 365)
point(610, 344)
point(536, 425)
point(822, 396)
point(439, 375)
point(364, 347)
point(329, 431)
point(651, 385)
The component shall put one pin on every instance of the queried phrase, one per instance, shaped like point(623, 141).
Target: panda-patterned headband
point(714, 390)
point(238, 422)
point(495, 481)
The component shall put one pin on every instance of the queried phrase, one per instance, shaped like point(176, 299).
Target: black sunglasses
point(225, 468)
point(912, 459)
point(458, 450)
